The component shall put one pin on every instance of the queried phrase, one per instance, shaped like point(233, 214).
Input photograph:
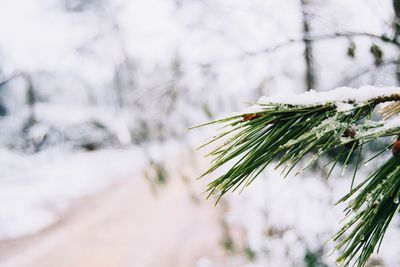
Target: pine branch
point(287, 132)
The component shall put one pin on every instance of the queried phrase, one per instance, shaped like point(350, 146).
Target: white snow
point(341, 94)
point(36, 189)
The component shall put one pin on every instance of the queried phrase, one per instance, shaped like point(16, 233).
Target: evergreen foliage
point(294, 136)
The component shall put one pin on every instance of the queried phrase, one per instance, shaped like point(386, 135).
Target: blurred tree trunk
point(396, 25)
point(3, 110)
point(396, 7)
point(308, 58)
point(124, 80)
point(30, 98)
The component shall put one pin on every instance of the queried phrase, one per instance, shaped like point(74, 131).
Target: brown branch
point(289, 42)
point(363, 71)
point(389, 98)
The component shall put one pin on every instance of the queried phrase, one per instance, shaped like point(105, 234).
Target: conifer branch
point(285, 133)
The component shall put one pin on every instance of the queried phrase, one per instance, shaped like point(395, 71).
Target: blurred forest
point(82, 76)
point(94, 74)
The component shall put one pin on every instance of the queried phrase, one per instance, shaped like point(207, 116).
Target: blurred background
point(97, 165)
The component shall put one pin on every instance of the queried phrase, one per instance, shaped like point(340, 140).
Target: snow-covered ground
point(35, 190)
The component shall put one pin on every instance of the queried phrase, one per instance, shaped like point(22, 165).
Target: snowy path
point(125, 225)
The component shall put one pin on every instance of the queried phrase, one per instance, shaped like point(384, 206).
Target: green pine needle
point(279, 133)
point(374, 202)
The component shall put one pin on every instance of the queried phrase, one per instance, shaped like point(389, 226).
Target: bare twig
point(317, 38)
point(347, 80)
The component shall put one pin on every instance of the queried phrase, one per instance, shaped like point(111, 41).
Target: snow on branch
point(341, 94)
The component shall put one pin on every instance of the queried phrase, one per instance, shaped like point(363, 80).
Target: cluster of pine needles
point(294, 137)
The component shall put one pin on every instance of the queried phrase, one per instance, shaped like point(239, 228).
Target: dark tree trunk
point(396, 25)
point(3, 109)
point(308, 57)
point(396, 8)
